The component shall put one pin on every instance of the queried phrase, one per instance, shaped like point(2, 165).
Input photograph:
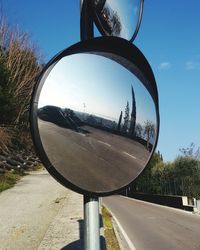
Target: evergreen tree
point(133, 114)
point(119, 122)
point(126, 117)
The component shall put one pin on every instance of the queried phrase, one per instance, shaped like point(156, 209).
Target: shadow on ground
point(79, 244)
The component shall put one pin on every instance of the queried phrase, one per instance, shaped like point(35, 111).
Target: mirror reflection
point(97, 122)
point(118, 17)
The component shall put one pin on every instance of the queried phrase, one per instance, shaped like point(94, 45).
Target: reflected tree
point(109, 18)
point(138, 130)
point(149, 132)
point(133, 113)
point(116, 24)
point(126, 117)
point(119, 122)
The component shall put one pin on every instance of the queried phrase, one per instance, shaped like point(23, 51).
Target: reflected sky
point(96, 85)
point(128, 12)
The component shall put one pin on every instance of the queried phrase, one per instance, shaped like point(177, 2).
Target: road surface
point(150, 226)
point(90, 159)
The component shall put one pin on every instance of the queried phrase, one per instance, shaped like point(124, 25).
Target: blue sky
point(169, 37)
point(101, 87)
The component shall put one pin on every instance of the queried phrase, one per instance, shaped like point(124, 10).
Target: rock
point(17, 158)
point(7, 166)
point(28, 163)
point(2, 158)
point(12, 162)
point(4, 153)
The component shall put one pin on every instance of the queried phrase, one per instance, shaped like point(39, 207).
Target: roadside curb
point(118, 230)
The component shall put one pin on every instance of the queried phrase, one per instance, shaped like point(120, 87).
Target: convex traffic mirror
point(119, 18)
point(94, 115)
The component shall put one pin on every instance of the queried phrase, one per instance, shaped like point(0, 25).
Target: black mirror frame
point(117, 47)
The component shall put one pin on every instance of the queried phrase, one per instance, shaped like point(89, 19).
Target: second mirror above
point(119, 18)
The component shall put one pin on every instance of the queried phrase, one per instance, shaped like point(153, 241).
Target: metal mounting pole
point(91, 223)
point(91, 203)
point(86, 20)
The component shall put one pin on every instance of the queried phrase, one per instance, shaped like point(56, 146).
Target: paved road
point(89, 159)
point(151, 227)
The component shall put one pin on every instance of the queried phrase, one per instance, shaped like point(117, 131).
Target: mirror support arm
point(91, 223)
point(91, 204)
point(86, 20)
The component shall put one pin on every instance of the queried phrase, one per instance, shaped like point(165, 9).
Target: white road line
point(128, 241)
point(107, 144)
point(132, 156)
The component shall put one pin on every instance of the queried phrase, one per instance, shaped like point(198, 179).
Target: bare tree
point(22, 62)
point(138, 130)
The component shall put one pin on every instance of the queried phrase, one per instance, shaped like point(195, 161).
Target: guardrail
point(181, 202)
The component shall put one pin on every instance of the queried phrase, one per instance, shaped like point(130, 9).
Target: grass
point(9, 179)
point(110, 237)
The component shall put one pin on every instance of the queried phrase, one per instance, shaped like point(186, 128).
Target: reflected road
point(96, 160)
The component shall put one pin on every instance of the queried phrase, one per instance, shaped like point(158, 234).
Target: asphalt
point(143, 225)
point(89, 159)
point(39, 213)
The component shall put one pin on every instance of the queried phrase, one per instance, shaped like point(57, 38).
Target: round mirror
point(119, 18)
point(94, 115)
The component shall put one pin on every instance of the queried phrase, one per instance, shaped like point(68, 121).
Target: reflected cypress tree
point(119, 122)
point(133, 114)
point(126, 117)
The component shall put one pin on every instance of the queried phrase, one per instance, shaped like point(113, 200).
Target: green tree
point(187, 172)
point(146, 180)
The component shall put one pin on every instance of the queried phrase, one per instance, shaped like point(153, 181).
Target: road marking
point(128, 241)
point(132, 156)
point(107, 144)
point(81, 134)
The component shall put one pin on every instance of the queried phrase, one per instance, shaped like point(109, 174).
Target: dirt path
point(27, 210)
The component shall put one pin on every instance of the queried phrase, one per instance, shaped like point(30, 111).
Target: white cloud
point(193, 64)
point(164, 66)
